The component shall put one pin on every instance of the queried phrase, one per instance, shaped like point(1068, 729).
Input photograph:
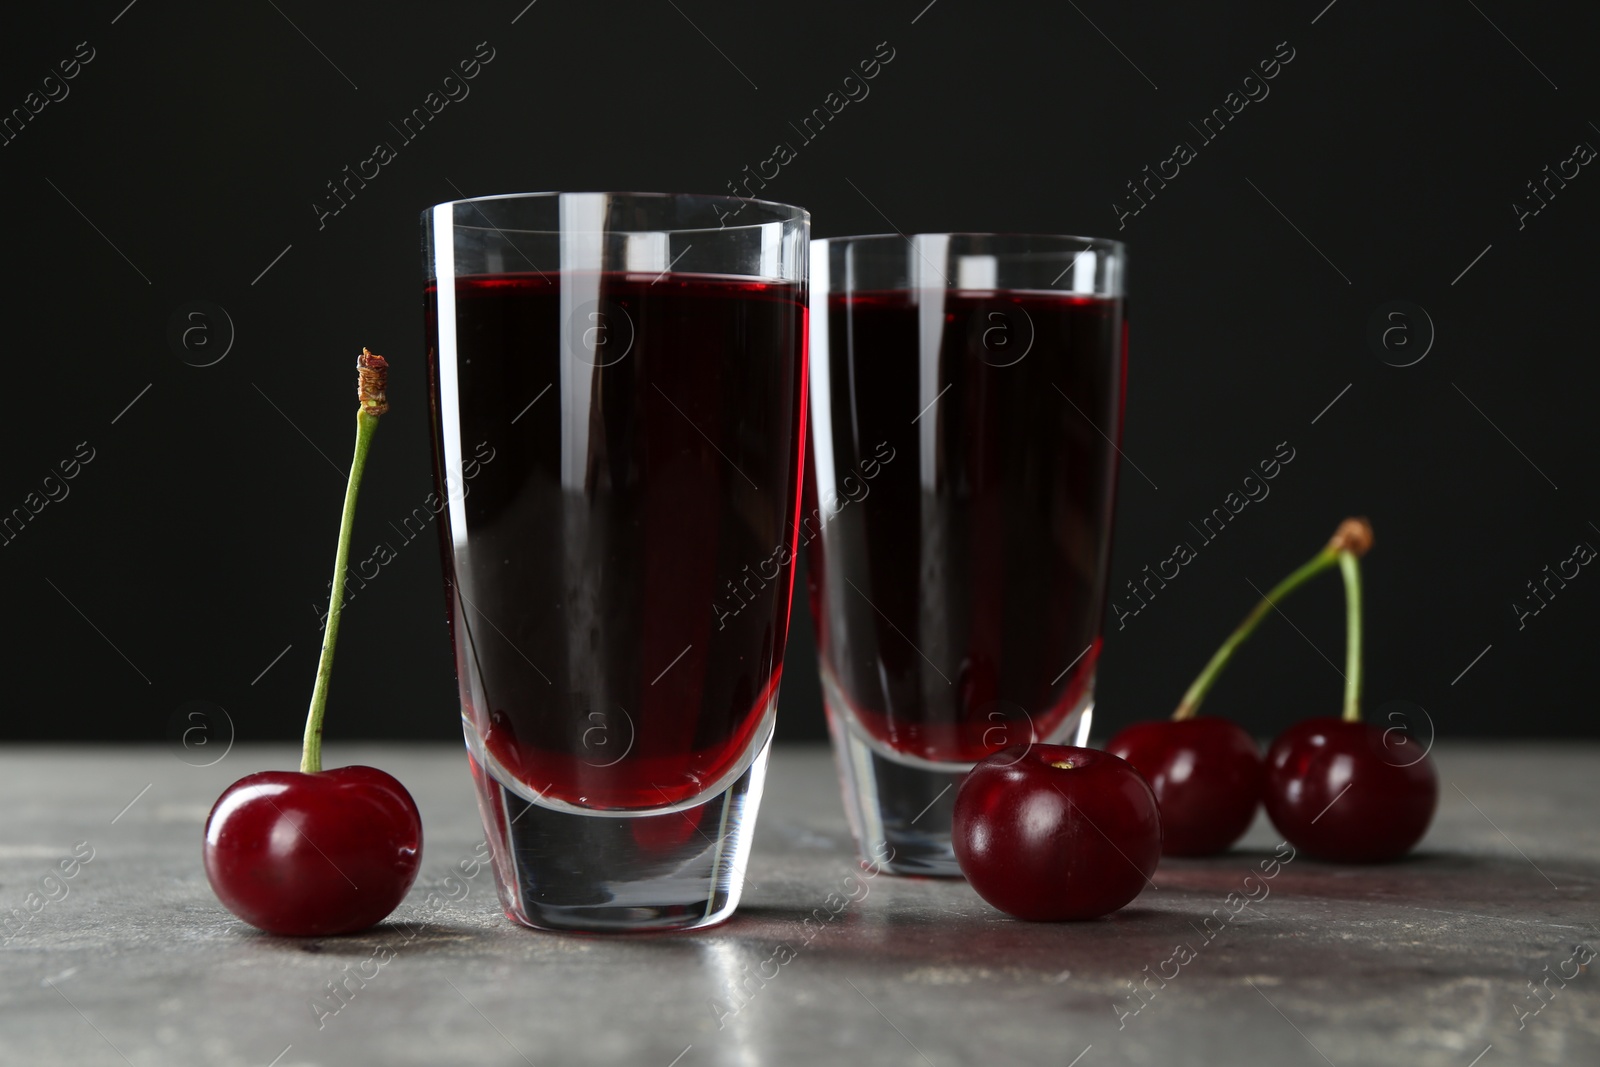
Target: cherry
point(310, 854)
point(1206, 774)
point(1335, 787)
point(1337, 791)
point(1053, 832)
point(319, 852)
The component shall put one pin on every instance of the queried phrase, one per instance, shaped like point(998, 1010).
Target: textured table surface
point(1429, 961)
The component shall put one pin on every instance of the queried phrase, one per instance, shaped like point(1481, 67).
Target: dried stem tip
point(373, 382)
point(1353, 536)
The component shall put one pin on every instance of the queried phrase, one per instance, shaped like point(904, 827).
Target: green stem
point(1350, 569)
point(311, 751)
point(1190, 705)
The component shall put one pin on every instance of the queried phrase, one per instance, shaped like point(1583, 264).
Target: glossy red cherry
point(1344, 791)
point(315, 852)
point(310, 854)
point(1206, 774)
point(1051, 832)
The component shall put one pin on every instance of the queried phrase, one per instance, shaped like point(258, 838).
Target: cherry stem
point(373, 372)
point(1350, 569)
point(1352, 539)
point(1190, 705)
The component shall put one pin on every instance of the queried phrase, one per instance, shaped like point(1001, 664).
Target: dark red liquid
point(623, 575)
point(960, 579)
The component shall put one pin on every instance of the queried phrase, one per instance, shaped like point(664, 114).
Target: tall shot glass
point(619, 397)
point(966, 401)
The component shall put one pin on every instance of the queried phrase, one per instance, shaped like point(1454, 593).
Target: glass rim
point(1110, 244)
point(784, 213)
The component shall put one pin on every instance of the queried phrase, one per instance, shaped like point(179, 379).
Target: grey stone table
point(1450, 958)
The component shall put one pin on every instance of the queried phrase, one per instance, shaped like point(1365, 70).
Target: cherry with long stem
point(313, 852)
point(1335, 787)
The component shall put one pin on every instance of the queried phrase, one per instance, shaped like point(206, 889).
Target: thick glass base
point(606, 873)
point(902, 807)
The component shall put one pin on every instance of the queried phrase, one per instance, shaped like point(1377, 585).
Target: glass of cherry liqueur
point(966, 400)
point(618, 386)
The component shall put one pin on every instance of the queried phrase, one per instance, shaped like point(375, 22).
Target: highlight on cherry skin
point(1055, 832)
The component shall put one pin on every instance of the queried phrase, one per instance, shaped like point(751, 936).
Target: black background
point(194, 548)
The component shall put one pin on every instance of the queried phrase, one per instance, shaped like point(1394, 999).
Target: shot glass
point(966, 402)
point(618, 393)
